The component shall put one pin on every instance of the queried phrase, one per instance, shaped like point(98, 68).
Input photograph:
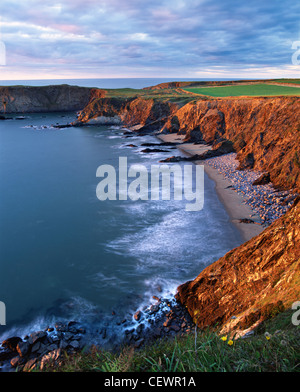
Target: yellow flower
point(230, 342)
point(267, 335)
point(224, 338)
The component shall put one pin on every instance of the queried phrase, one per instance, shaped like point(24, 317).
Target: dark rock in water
point(131, 145)
point(37, 337)
point(172, 159)
point(246, 220)
point(11, 343)
point(150, 150)
point(137, 315)
point(263, 179)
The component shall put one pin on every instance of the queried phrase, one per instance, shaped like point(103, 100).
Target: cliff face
point(252, 282)
point(25, 99)
point(265, 132)
point(147, 114)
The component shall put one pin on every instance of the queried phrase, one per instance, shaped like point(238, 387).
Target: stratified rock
point(35, 99)
point(248, 281)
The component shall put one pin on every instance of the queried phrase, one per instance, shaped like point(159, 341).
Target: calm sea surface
point(65, 254)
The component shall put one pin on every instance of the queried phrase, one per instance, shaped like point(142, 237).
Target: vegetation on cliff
point(274, 347)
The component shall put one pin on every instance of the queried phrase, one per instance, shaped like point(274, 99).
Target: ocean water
point(67, 255)
point(136, 83)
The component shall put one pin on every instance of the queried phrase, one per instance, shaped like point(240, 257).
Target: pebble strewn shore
point(267, 202)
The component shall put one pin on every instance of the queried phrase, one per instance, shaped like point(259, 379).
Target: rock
point(139, 343)
point(263, 179)
point(23, 348)
point(247, 162)
point(242, 282)
point(30, 365)
point(17, 361)
point(50, 358)
point(137, 316)
point(55, 98)
point(151, 150)
point(74, 344)
point(11, 343)
point(61, 327)
point(37, 336)
point(174, 327)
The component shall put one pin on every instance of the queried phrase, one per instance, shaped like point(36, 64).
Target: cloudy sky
point(157, 38)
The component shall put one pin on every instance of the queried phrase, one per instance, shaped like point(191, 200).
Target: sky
point(41, 39)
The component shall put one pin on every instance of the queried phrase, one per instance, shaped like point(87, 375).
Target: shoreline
point(165, 318)
point(233, 203)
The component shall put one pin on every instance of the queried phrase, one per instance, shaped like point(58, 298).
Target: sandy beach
point(233, 202)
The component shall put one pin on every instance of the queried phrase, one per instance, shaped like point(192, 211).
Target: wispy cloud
point(142, 38)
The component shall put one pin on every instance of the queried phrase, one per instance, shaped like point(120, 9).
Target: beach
point(233, 202)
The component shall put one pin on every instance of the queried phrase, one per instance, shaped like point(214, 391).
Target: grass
point(167, 95)
point(275, 347)
point(294, 81)
point(259, 90)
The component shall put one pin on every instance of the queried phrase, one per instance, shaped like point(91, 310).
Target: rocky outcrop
point(41, 348)
point(27, 99)
point(137, 113)
point(250, 283)
point(264, 132)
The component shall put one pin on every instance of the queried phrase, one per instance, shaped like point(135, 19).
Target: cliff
point(264, 132)
point(261, 277)
point(27, 99)
point(144, 114)
point(251, 283)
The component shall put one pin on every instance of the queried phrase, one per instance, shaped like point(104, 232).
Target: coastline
point(233, 202)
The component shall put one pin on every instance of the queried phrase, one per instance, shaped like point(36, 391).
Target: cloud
point(149, 36)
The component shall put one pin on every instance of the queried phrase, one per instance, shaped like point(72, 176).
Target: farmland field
point(245, 90)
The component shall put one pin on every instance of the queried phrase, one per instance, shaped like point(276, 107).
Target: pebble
point(267, 202)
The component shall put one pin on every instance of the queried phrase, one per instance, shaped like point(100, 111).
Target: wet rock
point(137, 316)
point(11, 343)
point(23, 348)
point(151, 150)
point(37, 336)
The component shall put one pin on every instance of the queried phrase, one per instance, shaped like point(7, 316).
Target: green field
point(293, 81)
point(246, 90)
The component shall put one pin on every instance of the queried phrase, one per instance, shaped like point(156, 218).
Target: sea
point(65, 254)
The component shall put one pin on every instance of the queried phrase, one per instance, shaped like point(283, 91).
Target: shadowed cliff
point(27, 99)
